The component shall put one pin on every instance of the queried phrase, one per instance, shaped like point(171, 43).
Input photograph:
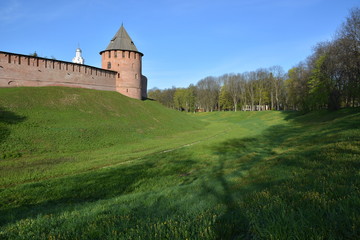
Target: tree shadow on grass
point(236, 158)
point(259, 163)
point(7, 118)
point(232, 224)
point(55, 196)
point(276, 154)
point(271, 158)
point(320, 116)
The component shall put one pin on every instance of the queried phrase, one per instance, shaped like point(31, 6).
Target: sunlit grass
point(225, 175)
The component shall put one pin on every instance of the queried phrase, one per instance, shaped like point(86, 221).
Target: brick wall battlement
point(24, 70)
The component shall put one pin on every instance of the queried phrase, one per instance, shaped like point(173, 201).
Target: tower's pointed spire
point(122, 41)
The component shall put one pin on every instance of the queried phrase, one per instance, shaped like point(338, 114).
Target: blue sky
point(183, 41)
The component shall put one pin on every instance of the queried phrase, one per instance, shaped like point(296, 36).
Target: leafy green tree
point(297, 88)
point(319, 85)
point(191, 98)
point(179, 99)
point(225, 100)
point(347, 51)
point(184, 99)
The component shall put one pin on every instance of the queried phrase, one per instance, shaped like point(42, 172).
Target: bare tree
point(234, 85)
point(276, 85)
point(262, 76)
point(165, 97)
point(208, 90)
point(250, 78)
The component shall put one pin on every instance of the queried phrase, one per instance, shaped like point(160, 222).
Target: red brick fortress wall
point(23, 70)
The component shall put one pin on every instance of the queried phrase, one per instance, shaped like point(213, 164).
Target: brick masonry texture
point(123, 76)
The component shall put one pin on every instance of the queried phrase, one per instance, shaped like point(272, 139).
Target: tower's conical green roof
point(121, 41)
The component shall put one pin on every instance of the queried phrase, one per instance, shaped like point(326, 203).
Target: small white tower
point(78, 58)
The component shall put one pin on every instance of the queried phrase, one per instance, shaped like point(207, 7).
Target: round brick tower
point(122, 56)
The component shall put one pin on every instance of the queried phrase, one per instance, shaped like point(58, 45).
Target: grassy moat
point(84, 164)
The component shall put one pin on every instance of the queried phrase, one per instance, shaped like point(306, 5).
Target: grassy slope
point(62, 130)
point(263, 175)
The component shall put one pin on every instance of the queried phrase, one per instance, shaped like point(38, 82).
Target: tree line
point(328, 79)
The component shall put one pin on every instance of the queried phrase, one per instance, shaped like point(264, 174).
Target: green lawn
point(82, 164)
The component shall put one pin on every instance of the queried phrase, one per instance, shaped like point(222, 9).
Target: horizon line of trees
point(328, 79)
